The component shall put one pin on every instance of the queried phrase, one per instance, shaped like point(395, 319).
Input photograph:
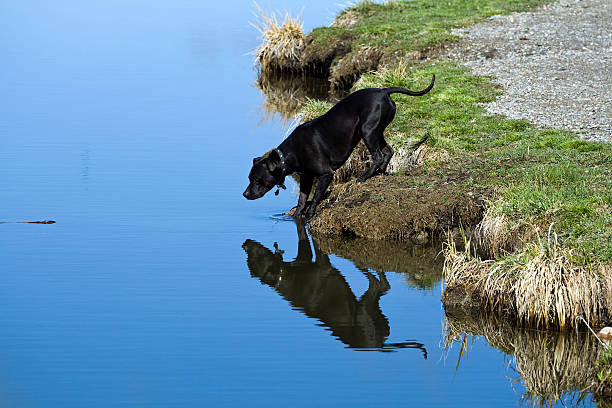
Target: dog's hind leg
point(372, 132)
point(387, 152)
point(381, 154)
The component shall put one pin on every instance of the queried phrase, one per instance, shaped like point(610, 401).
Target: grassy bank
point(368, 35)
point(513, 187)
point(526, 178)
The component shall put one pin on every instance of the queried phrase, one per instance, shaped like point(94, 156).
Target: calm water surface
point(133, 125)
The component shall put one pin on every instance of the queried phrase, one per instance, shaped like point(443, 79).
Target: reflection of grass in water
point(602, 383)
point(421, 265)
point(286, 94)
point(552, 366)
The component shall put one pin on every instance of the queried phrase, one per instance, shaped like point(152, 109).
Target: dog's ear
point(274, 164)
point(257, 159)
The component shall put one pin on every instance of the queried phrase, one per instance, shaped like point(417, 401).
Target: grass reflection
point(554, 367)
point(286, 94)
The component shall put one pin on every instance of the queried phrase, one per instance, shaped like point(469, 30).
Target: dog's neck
point(283, 168)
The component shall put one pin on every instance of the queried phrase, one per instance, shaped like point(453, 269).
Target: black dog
point(319, 147)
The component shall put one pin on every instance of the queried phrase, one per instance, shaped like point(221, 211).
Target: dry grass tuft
point(496, 235)
point(282, 41)
point(544, 285)
point(398, 74)
point(552, 366)
point(406, 157)
point(346, 19)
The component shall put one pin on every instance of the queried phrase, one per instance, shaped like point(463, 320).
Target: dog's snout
point(248, 194)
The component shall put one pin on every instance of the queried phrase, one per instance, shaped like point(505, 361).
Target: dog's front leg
point(322, 184)
point(305, 187)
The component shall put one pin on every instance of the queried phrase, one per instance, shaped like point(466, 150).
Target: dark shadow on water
point(312, 285)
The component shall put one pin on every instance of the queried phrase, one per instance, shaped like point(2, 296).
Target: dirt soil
point(415, 206)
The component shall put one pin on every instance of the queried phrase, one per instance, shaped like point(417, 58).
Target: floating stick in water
point(28, 222)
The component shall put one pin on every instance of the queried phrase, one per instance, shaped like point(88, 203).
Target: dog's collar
point(283, 169)
point(282, 159)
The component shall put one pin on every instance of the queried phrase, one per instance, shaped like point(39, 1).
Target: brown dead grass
point(282, 41)
point(496, 235)
point(346, 19)
point(544, 285)
point(406, 157)
point(285, 48)
point(551, 365)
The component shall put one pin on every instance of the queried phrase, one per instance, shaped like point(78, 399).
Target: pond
point(133, 125)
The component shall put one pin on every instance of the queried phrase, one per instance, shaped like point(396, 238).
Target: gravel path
point(555, 64)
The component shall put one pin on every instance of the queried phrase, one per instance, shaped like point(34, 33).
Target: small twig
point(592, 331)
point(28, 222)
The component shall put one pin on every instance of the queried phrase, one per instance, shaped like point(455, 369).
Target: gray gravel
point(554, 64)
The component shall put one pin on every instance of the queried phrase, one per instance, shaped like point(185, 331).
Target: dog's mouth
point(249, 195)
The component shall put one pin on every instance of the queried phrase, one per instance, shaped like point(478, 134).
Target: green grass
point(602, 383)
point(314, 108)
point(542, 177)
point(604, 366)
point(401, 27)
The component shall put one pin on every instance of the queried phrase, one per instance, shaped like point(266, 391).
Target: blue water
point(132, 124)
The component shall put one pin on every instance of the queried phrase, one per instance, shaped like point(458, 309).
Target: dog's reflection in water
point(318, 289)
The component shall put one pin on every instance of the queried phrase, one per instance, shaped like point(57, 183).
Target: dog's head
point(266, 173)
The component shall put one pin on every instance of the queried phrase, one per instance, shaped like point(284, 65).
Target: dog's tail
point(409, 92)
